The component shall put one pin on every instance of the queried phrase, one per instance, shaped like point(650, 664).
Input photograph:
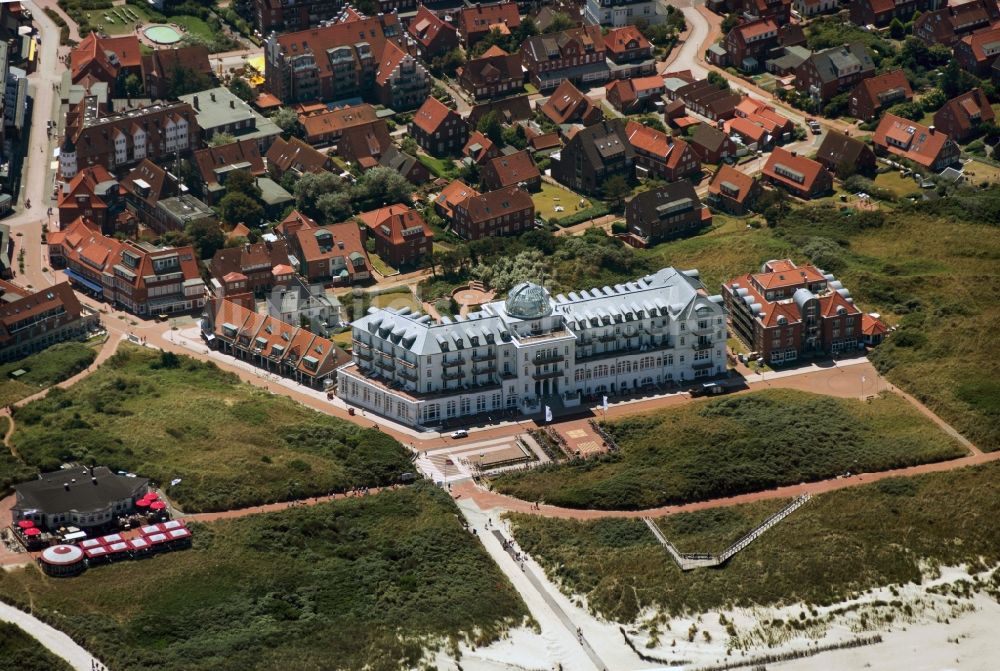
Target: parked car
point(461, 433)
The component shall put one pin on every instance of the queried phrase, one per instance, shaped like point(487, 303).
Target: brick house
point(402, 237)
point(93, 193)
point(826, 73)
point(732, 191)
point(907, 139)
point(630, 96)
point(433, 35)
point(401, 81)
point(630, 53)
point(880, 13)
point(749, 44)
point(32, 322)
point(327, 127)
point(711, 145)
point(578, 55)
point(667, 212)
point(961, 117)
point(875, 94)
point(162, 66)
point(333, 253)
point(845, 156)
point(451, 196)
point(976, 53)
point(214, 164)
point(106, 59)
point(660, 155)
point(799, 175)
point(593, 155)
point(438, 128)
point(507, 211)
point(568, 104)
point(255, 262)
point(495, 73)
point(297, 157)
point(948, 25)
point(477, 21)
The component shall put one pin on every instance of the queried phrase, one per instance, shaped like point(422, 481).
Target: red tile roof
point(909, 139)
point(390, 223)
point(335, 121)
point(392, 56)
point(453, 194)
point(626, 38)
point(346, 33)
point(431, 115)
point(426, 26)
point(782, 160)
point(731, 183)
point(515, 168)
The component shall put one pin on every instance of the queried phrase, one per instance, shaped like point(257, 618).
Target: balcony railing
point(385, 365)
point(408, 364)
point(545, 375)
point(448, 363)
point(607, 338)
point(362, 354)
point(483, 370)
point(408, 374)
point(541, 359)
point(703, 344)
point(453, 375)
point(483, 357)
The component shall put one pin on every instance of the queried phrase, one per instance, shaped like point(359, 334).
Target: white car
point(461, 433)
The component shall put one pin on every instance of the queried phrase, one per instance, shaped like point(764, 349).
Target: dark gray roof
point(708, 137)
point(830, 62)
point(49, 493)
point(603, 141)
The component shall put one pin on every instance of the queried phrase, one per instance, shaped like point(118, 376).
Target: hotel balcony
point(542, 359)
point(453, 375)
point(362, 354)
point(703, 344)
point(386, 365)
point(408, 374)
point(448, 363)
point(408, 364)
point(547, 375)
point(608, 338)
point(483, 370)
point(483, 357)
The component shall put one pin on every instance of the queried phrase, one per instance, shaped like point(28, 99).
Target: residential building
point(272, 344)
point(670, 211)
point(105, 59)
point(133, 276)
point(364, 145)
point(33, 321)
point(593, 155)
point(577, 55)
point(629, 53)
point(517, 169)
point(978, 52)
point(507, 211)
point(927, 147)
point(401, 81)
point(333, 62)
point(799, 175)
point(875, 94)
point(751, 135)
point(297, 157)
point(451, 196)
point(495, 73)
point(269, 16)
point(219, 110)
point(158, 200)
point(532, 351)
point(831, 71)
point(630, 96)
point(433, 35)
point(845, 156)
point(93, 193)
point(295, 221)
point(749, 44)
point(215, 164)
point(786, 312)
point(732, 191)
point(309, 306)
point(164, 69)
point(568, 104)
point(259, 264)
point(810, 8)
point(619, 13)
point(703, 97)
point(514, 108)
point(659, 155)
point(779, 10)
point(948, 25)
point(480, 149)
point(83, 497)
point(328, 126)
point(962, 117)
point(332, 253)
point(438, 128)
point(880, 13)
point(477, 21)
point(117, 140)
point(778, 128)
point(402, 237)
point(406, 165)
point(711, 145)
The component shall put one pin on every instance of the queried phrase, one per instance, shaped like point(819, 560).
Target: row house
point(927, 147)
point(845, 156)
point(732, 191)
point(451, 196)
point(93, 193)
point(517, 169)
point(629, 53)
point(880, 13)
point(407, 165)
point(116, 140)
point(438, 129)
point(978, 52)
point(577, 55)
point(133, 276)
point(433, 35)
point(333, 62)
point(704, 98)
point(630, 96)
point(296, 157)
point(269, 343)
point(778, 128)
point(269, 16)
point(711, 145)
point(333, 253)
point(479, 20)
point(568, 105)
point(800, 176)
point(826, 73)
point(786, 312)
point(659, 155)
point(593, 155)
point(402, 237)
point(257, 266)
point(962, 117)
point(495, 73)
point(875, 94)
point(401, 81)
point(507, 211)
point(665, 213)
point(35, 321)
point(479, 149)
point(327, 127)
point(215, 164)
point(949, 24)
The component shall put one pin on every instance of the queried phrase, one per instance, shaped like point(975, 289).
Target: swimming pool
point(162, 34)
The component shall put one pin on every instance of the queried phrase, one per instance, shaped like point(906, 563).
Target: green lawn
point(440, 167)
point(901, 186)
point(834, 546)
point(381, 266)
point(359, 583)
point(232, 444)
point(19, 651)
point(44, 369)
point(355, 302)
point(551, 196)
point(738, 444)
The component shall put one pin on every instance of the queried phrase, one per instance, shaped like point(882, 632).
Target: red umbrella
point(151, 496)
point(157, 505)
point(25, 524)
point(32, 531)
point(142, 503)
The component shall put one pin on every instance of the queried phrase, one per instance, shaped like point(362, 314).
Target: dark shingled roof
point(48, 494)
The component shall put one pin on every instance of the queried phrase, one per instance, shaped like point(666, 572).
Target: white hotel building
point(533, 350)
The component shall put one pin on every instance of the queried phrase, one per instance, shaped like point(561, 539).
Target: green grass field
point(738, 444)
point(44, 369)
point(20, 652)
point(355, 302)
point(551, 196)
point(901, 186)
point(232, 444)
point(359, 583)
point(440, 167)
point(834, 546)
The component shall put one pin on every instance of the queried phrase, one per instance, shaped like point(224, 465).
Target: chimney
point(932, 130)
point(196, 103)
point(794, 153)
point(66, 486)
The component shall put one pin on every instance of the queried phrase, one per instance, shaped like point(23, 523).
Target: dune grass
point(357, 583)
point(231, 444)
point(44, 369)
point(19, 651)
point(834, 546)
point(737, 444)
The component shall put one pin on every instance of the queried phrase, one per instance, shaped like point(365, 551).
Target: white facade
point(618, 13)
point(533, 350)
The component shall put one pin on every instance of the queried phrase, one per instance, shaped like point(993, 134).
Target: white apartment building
point(618, 13)
point(533, 350)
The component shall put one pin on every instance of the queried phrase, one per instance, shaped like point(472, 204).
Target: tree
point(133, 86)
point(236, 208)
point(897, 30)
point(718, 80)
point(183, 80)
point(408, 145)
point(380, 186)
point(219, 139)
point(311, 186)
point(838, 105)
point(560, 22)
point(773, 204)
point(334, 207)
point(206, 237)
point(653, 121)
point(955, 81)
point(514, 136)
point(908, 110)
point(241, 181)
point(490, 126)
point(446, 64)
point(730, 22)
point(241, 89)
point(615, 188)
point(287, 120)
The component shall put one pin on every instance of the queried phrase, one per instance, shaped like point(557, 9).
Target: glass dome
point(528, 301)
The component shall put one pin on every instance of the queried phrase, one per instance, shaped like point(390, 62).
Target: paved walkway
point(54, 640)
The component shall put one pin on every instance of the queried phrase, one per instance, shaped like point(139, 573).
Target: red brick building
point(568, 104)
point(517, 169)
point(732, 191)
point(630, 52)
point(799, 175)
point(504, 212)
point(476, 22)
point(907, 139)
point(660, 155)
point(875, 94)
point(976, 53)
point(333, 253)
point(402, 237)
point(961, 117)
point(577, 55)
point(434, 36)
point(495, 73)
point(440, 130)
